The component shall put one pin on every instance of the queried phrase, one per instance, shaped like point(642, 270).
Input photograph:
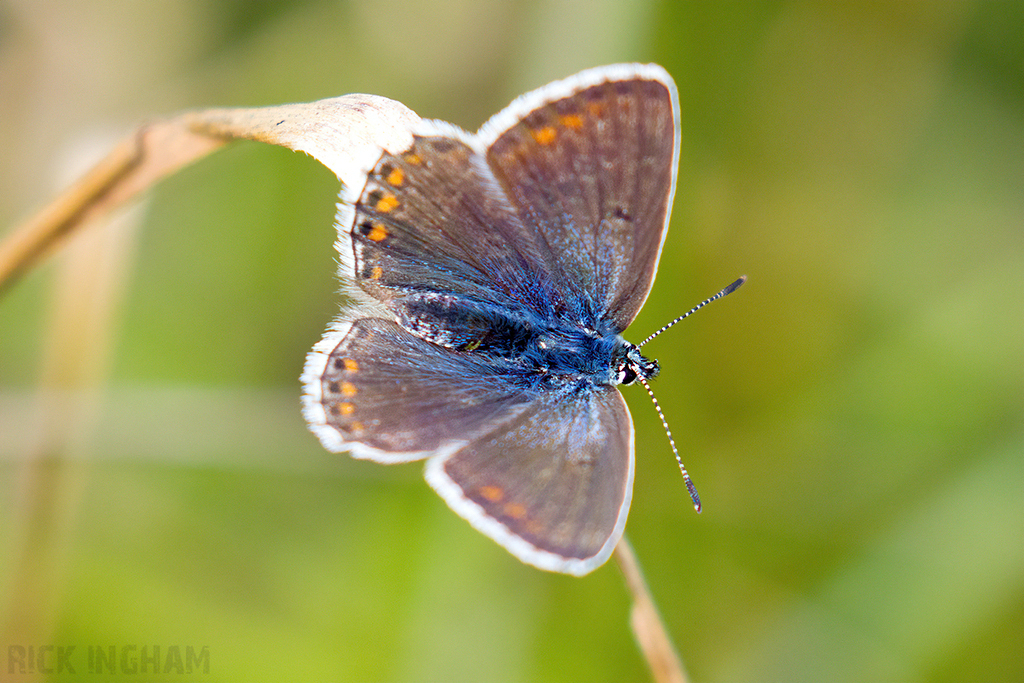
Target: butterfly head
point(630, 364)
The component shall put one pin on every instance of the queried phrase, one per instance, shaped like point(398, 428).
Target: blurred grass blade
point(337, 132)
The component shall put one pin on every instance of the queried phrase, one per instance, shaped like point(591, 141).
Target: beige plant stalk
point(333, 131)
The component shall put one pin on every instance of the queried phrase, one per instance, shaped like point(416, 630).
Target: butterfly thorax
point(550, 348)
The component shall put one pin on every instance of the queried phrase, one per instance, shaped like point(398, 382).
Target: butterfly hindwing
point(553, 484)
point(376, 390)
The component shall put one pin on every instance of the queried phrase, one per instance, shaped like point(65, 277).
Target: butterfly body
point(544, 349)
point(491, 277)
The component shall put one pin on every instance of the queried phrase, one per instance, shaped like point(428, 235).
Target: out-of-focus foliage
point(853, 417)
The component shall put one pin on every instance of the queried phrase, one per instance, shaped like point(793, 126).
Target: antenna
point(728, 290)
point(672, 442)
point(657, 406)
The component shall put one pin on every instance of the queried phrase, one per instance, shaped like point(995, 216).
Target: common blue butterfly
point(491, 276)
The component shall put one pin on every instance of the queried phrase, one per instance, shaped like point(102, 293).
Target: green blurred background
point(853, 417)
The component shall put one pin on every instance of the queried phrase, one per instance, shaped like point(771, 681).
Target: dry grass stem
point(648, 628)
point(346, 135)
point(337, 132)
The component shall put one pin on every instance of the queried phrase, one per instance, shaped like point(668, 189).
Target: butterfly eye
point(625, 374)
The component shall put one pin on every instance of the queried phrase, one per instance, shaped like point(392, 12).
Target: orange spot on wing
point(492, 493)
point(515, 510)
point(348, 389)
point(534, 527)
point(544, 136)
point(378, 232)
point(376, 273)
point(350, 364)
point(396, 177)
point(571, 120)
point(413, 159)
point(346, 408)
point(387, 203)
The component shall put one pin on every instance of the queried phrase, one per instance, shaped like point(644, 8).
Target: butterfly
point(491, 276)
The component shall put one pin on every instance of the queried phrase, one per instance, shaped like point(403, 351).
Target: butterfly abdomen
point(462, 324)
point(531, 343)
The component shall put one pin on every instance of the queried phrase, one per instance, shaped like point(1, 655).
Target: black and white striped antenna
point(657, 406)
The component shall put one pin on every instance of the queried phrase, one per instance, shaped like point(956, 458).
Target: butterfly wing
point(432, 218)
point(547, 474)
point(591, 163)
point(553, 484)
point(382, 393)
point(560, 204)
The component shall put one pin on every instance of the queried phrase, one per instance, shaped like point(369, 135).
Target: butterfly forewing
point(433, 218)
point(594, 173)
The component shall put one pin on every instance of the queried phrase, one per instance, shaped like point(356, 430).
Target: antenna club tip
point(734, 286)
point(693, 494)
